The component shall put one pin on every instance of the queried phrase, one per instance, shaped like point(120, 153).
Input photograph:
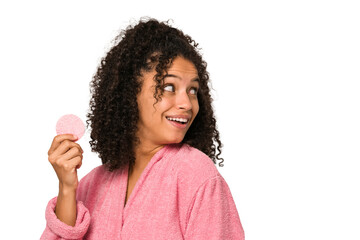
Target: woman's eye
point(171, 88)
point(195, 90)
point(168, 88)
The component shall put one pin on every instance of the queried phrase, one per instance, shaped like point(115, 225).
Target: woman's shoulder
point(95, 172)
point(195, 165)
point(195, 157)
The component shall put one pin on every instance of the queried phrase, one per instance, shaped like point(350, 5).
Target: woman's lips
point(178, 125)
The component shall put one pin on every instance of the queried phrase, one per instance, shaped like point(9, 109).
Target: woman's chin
point(174, 140)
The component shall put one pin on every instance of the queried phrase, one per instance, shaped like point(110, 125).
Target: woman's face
point(179, 102)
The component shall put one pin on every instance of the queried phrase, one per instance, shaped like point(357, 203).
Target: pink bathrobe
point(179, 195)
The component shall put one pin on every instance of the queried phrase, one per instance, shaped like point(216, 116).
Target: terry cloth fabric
point(179, 195)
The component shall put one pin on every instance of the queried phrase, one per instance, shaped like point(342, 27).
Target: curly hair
point(113, 113)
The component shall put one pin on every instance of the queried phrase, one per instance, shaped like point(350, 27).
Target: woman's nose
point(183, 101)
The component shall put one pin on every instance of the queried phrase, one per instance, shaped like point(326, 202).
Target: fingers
point(72, 153)
point(65, 146)
point(72, 164)
point(58, 140)
point(66, 156)
point(77, 162)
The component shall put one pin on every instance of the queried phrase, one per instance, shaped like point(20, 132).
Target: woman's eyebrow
point(172, 75)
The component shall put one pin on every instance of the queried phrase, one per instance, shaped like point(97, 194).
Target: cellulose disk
point(70, 124)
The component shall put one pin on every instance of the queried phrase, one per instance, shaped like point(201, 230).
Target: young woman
point(153, 126)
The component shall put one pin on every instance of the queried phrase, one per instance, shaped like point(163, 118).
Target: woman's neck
point(143, 155)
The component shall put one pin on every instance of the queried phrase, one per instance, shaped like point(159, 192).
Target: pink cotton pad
point(70, 124)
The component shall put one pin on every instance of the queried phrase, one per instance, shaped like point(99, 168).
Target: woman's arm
point(212, 214)
point(56, 229)
point(65, 209)
point(66, 218)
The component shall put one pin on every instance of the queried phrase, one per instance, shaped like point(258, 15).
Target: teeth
point(178, 119)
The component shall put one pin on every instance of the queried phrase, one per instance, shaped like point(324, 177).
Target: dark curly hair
point(113, 113)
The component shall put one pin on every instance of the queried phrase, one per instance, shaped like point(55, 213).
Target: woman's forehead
point(182, 64)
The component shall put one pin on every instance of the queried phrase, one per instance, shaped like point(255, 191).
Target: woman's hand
point(66, 157)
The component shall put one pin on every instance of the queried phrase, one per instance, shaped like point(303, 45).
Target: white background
point(286, 94)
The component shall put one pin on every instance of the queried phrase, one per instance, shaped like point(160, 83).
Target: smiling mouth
point(179, 123)
point(178, 120)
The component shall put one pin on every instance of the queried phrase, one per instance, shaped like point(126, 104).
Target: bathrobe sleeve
point(56, 229)
point(212, 214)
